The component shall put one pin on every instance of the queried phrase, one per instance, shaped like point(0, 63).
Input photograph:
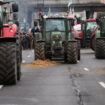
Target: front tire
point(8, 64)
point(19, 58)
point(78, 49)
point(100, 48)
point(72, 52)
point(93, 43)
point(40, 50)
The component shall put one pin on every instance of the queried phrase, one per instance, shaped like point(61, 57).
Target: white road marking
point(1, 86)
point(29, 56)
point(86, 69)
point(23, 61)
point(102, 84)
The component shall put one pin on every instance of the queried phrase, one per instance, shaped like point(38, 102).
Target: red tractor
point(87, 33)
point(10, 47)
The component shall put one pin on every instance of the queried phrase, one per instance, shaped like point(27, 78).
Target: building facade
point(54, 6)
point(89, 6)
point(28, 7)
point(86, 1)
point(91, 1)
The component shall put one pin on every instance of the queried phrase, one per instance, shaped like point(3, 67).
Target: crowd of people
point(28, 38)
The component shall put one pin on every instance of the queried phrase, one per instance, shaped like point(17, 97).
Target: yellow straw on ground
point(41, 63)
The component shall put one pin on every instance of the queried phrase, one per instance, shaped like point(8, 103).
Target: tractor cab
point(7, 19)
point(55, 26)
point(55, 34)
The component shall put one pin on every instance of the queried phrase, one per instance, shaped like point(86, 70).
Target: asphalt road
point(64, 84)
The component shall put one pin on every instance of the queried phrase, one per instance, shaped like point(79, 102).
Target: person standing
point(34, 31)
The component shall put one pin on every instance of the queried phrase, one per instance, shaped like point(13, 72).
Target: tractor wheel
point(8, 64)
point(100, 48)
point(18, 70)
point(40, 50)
point(65, 57)
point(19, 58)
point(93, 43)
point(72, 52)
point(18, 64)
point(78, 49)
point(65, 52)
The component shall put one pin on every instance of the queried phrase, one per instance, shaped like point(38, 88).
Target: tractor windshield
point(55, 25)
point(91, 25)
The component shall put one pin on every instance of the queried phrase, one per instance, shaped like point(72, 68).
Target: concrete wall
point(92, 1)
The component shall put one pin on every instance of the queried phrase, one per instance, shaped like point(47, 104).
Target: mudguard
point(9, 30)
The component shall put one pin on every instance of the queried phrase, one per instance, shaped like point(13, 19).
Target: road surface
point(65, 84)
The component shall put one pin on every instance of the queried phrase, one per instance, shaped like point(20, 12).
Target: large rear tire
point(19, 57)
point(18, 71)
point(78, 49)
point(72, 52)
point(100, 48)
point(93, 43)
point(8, 64)
point(40, 50)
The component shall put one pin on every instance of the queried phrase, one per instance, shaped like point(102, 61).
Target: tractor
point(10, 47)
point(100, 38)
point(87, 33)
point(56, 40)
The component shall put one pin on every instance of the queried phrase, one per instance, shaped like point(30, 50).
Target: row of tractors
point(57, 39)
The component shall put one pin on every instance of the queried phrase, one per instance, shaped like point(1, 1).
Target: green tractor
point(100, 39)
point(56, 40)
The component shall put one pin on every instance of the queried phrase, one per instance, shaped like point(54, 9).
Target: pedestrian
point(31, 41)
point(25, 40)
point(34, 32)
point(35, 29)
